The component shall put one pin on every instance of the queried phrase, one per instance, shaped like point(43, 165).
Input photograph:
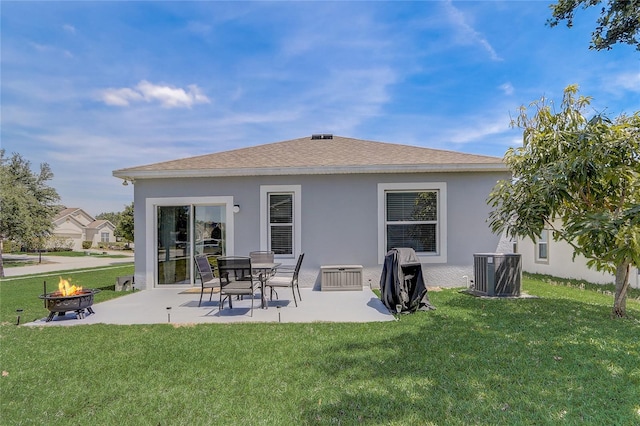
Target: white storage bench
point(341, 277)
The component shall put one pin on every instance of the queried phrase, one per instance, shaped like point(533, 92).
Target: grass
point(548, 360)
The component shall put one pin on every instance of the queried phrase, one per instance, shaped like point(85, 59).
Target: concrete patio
point(150, 307)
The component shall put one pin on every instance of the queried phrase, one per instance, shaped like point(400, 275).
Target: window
point(412, 220)
point(281, 223)
point(542, 247)
point(413, 215)
point(104, 237)
point(280, 228)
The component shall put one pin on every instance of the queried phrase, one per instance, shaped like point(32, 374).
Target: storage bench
point(341, 277)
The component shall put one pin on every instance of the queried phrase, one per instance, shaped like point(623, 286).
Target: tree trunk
point(622, 285)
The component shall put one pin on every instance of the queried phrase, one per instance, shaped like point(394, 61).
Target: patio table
point(265, 269)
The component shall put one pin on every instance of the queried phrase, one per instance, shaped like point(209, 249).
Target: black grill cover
point(401, 284)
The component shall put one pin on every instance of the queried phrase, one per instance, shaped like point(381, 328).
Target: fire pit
point(68, 298)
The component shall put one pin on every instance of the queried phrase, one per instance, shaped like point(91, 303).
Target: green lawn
point(557, 359)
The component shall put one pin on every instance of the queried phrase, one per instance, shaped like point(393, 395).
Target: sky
point(91, 87)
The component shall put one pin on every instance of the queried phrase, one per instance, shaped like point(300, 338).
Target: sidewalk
point(62, 263)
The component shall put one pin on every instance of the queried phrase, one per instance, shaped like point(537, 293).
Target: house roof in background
point(318, 154)
point(97, 224)
point(69, 211)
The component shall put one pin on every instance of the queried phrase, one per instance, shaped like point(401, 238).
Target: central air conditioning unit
point(497, 274)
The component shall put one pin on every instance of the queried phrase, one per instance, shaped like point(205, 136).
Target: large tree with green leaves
point(619, 21)
point(581, 172)
point(124, 229)
point(113, 217)
point(28, 203)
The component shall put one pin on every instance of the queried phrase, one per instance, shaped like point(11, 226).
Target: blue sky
point(90, 87)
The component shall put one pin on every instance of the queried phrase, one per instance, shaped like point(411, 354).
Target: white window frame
point(441, 231)
point(296, 190)
point(539, 242)
point(151, 227)
point(104, 235)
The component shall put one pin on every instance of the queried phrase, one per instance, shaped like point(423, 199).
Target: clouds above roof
point(164, 95)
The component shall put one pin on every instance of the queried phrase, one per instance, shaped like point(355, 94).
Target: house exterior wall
point(69, 229)
point(73, 227)
point(560, 263)
point(95, 235)
point(339, 219)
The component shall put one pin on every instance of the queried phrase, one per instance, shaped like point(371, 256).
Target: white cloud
point(466, 33)
point(166, 96)
point(507, 88)
point(120, 97)
point(628, 81)
point(69, 28)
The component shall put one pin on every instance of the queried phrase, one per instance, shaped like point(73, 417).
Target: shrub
point(9, 246)
point(86, 245)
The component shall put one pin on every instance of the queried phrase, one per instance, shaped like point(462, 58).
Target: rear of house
point(339, 200)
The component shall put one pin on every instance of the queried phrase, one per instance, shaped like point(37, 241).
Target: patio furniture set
point(246, 275)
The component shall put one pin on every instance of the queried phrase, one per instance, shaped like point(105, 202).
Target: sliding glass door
point(184, 231)
point(210, 230)
point(174, 245)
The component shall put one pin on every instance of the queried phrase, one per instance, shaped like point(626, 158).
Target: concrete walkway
point(150, 306)
point(62, 263)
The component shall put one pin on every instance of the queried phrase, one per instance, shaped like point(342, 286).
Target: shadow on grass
point(536, 361)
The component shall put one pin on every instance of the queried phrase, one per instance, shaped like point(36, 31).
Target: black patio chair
point(283, 280)
point(207, 278)
point(236, 279)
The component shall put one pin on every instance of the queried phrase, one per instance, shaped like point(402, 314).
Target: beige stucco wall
point(560, 263)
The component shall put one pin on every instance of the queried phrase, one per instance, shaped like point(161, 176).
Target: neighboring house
point(76, 225)
point(546, 256)
point(338, 200)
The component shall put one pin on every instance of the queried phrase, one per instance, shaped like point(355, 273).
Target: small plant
point(86, 245)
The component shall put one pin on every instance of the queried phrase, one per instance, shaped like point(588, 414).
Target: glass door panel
point(210, 230)
point(174, 245)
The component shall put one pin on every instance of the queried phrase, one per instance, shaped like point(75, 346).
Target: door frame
point(151, 230)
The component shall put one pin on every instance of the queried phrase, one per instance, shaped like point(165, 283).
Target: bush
point(9, 246)
point(114, 246)
point(86, 245)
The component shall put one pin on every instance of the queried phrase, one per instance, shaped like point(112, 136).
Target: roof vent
point(322, 136)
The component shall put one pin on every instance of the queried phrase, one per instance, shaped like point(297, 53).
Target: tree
point(124, 228)
point(113, 217)
point(28, 203)
point(584, 173)
point(619, 21)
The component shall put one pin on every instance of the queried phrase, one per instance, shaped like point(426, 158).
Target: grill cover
point(402, 284)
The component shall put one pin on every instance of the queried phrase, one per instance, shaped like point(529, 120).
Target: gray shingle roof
point(316, 156)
